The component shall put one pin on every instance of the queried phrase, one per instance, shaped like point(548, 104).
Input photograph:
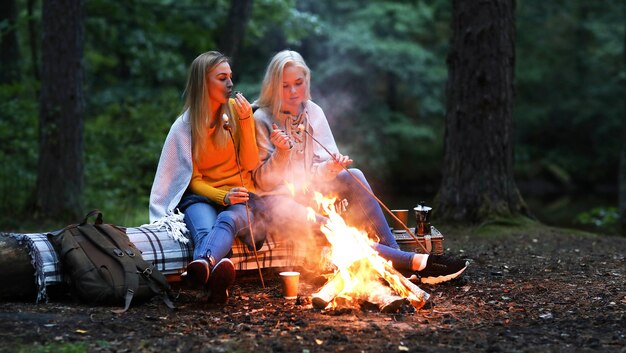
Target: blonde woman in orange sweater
point(201, 170)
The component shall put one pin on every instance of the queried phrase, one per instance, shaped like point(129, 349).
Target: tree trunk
point(622, 163)
point(477, 180)
point(233, 34)
point(59, 191)
point(32, 35)
point(9, 48)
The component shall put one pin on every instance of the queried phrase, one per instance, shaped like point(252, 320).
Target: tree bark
point(622, 164)
point(233, 34)
point(59, 193)
point(9, 48)
point(32, 35)
point(477, 180)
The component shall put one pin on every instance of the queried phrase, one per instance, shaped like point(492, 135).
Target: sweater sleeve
point(323, 134)
point(200, 187)
point(273, 162)
point(248, 149)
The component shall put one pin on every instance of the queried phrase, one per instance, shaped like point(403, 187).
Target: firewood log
point(328, 292)
point(416, 296)
point(385, 299)
point(17, 274)
point(344, 302)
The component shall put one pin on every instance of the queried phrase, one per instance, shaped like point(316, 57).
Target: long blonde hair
point(271, 89)
point(198, 104)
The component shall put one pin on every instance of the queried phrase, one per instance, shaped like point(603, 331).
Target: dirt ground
point(549, 291)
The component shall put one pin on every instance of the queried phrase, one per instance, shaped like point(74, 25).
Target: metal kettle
point(422, 219)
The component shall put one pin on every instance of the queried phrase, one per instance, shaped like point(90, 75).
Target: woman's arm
point(323, 166)
point(248, 150)
point(200, 187)
point(273, 162)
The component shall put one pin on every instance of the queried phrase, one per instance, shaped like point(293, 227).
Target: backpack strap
point(91, 213)
point(154, 278)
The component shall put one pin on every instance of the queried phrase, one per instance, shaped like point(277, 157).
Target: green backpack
point(103, 266)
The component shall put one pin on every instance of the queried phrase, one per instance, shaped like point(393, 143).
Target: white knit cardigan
point(276, 167)
point(174, 170)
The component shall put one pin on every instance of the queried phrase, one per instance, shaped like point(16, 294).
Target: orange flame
point(359, 266)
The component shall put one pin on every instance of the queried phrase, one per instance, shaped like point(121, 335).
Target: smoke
point(287, 220)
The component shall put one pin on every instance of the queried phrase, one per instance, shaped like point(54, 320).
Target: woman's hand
point(236, 195)
point(337, 163)
point(280, 139)
point(242, 106)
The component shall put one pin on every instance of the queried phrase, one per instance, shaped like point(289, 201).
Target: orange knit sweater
point(216, 171)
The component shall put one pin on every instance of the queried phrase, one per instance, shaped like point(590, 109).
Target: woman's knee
point(235, 217)
point(347, 179)
point(345, 176)
point(200, 217)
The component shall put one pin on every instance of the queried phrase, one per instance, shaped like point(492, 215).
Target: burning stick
point(329, 291)
point(402, 285)
point(256, 257)
point(301, 128)
point(386, 301)
point(343, 303)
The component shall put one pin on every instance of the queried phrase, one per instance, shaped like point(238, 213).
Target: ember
point(361, 275)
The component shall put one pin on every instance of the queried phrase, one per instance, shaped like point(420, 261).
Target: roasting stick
point(301, 128)
point(256, 257)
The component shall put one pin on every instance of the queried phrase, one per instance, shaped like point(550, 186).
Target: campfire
point(361, 275)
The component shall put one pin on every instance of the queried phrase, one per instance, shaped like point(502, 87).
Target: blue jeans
point(213, 227)
point(364, 212)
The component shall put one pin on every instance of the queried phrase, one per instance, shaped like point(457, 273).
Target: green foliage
point(123, 145)
point(18, 152)
point(70, 347)
point(392, 143)
point(274, 25)
point(379, 72)
point(148, 43)
point(383, 86)
point(599, 217)
point(269, 15)
point(382, 49)
point(569, 110)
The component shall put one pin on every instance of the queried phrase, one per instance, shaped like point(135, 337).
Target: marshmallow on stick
point(226, 123)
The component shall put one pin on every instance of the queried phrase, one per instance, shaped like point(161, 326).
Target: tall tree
point(59, 193)
point(622, 161)
point(9, 48)
point(32, 35)
point(477, 181)
point(232, 36)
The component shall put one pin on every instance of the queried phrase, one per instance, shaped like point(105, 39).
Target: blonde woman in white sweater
point(288, 155)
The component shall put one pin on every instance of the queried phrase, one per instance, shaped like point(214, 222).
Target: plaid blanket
point(166, 252)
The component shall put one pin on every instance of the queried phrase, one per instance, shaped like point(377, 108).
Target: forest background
point(379, 71)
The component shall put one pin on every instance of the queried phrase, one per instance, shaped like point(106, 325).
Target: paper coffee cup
point(290, 284)
point(403, 216)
